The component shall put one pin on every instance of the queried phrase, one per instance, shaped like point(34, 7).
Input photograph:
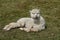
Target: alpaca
point(35, 23)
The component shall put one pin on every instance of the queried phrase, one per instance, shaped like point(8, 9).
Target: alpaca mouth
point(36, 18)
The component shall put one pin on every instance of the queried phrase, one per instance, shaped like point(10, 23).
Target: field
point(12, 10)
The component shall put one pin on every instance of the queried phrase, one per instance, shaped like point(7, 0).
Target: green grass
point(12, 10)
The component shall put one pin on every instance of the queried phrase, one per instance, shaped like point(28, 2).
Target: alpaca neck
point(37, 21)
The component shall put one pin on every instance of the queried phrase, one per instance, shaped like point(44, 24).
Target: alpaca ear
point(39, 9)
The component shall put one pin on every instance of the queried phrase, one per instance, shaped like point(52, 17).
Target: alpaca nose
point(36, 16)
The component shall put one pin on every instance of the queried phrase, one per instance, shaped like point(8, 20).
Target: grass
point(12, 10)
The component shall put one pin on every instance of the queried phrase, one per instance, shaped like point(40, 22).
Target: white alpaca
point(35, 23)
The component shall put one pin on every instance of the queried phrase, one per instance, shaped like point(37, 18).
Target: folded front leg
point(34, 29)
point(25, 29)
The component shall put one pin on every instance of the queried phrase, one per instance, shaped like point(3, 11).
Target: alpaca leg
point(6, 27)
point(11, 25)
point(34, 30)
point(21, 28)
point(9, 28)
point(25, 29)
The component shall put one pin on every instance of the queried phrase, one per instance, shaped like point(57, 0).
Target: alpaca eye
point(33, 13)
point(37, 13)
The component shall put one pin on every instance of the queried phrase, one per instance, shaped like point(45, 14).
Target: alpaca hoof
point(21, 28)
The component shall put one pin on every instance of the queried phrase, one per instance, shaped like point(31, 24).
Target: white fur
point(35, 23)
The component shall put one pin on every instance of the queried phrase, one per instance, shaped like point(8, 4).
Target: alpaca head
point(35, 13)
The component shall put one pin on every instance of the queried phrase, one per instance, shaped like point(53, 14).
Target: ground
point(12, 10)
